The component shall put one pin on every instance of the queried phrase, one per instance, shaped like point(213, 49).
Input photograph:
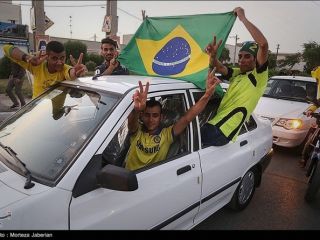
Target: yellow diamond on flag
point(176, 55)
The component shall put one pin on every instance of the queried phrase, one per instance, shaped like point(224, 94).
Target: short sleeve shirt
point(146, 149)
point(42, 78)
point(240, 100)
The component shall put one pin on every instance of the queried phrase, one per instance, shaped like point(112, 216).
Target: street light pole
point(235, 50)
point(278, 47)
point(112, 11)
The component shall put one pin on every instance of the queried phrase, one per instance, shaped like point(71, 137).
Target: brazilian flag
point(174, 46)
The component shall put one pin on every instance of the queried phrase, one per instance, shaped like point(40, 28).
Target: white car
point(283, 103)
point(62, 158)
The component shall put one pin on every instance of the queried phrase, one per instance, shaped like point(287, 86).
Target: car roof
point(123, 83)
point(296, 78)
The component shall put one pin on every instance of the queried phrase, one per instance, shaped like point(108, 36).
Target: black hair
point(152, 103)
point(55, 46)
point(109, 41)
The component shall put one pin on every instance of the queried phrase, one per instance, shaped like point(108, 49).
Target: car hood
point(12, 187)
point(275, 108)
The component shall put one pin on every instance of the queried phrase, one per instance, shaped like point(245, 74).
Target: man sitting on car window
point(247, 85)
point(149, 143)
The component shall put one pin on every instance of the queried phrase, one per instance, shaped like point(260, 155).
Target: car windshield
point(48, 132)
point(294, 90)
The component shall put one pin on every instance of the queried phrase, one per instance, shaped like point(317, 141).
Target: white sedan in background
point(62, 158)
point(283, 103)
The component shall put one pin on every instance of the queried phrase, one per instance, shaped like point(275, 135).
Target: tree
point(290, 60)
point(91, 65)
point(225, 55)
point(75, 48)
point(272, 60)
point(98, 59)
point(311, 55)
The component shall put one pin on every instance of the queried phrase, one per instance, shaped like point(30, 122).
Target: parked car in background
point(283, 103)
point(62, 158)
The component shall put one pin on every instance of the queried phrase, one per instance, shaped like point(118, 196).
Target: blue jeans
point(212, 136)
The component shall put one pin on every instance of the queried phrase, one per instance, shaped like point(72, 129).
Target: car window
point(48, 133)
point(251, 124)
point(116, 151)
point(291, 89)
point(173, 107)
point(243, 130)
point(210, 110)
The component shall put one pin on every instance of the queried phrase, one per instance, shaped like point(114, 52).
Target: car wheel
point(314, 184)
point(244, 192)
point(304, 148)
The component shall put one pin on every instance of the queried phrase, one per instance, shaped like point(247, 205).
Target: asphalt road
point(278, 204)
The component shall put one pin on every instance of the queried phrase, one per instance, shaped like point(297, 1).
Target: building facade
point(11, 28)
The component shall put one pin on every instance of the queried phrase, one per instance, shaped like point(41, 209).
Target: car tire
point(314, 184)
point(307, 148)
point(244, 192)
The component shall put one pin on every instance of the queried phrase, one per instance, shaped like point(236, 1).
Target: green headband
point(250, 47)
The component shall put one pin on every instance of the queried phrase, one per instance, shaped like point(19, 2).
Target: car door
point(168, 194)
point(222, 167)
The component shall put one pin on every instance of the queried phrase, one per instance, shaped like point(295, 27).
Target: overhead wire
point(75, 6)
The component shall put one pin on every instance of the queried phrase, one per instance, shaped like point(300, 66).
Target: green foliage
point(91, 65)
point(225, 55)
point(311, 55)
point(75, 48)
point(98, 59)
point(290, 60)
point(5, 67)
point(272, 60)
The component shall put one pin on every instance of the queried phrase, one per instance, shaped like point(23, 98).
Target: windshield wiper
point(22, 165)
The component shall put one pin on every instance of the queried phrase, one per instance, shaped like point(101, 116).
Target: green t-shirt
point(240, 100)
point(146, 149)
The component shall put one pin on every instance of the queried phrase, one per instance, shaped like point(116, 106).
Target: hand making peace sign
point(140, 97)
point(38, 59)
point(79, 68)
point(212, 48)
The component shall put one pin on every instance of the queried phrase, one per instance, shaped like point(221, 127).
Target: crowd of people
point(247, 84)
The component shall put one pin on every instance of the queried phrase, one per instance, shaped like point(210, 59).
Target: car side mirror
point(117, 178)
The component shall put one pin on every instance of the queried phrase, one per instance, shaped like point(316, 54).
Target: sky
point(287, 23)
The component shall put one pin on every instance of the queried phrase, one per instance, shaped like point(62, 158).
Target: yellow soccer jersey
point(146, 149)
point(240, 99)
point(316, 74)
point(42, 78)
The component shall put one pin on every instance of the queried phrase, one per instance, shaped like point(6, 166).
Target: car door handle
point(243, 143)
point(183, 170)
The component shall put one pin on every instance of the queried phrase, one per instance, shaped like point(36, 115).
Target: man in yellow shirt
point(247, 85)
point(150, 143)
point(315, 73)
point(48, 69)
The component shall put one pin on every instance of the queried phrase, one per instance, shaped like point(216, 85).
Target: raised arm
point(212, 50)
point(19, 55)
point(212, 82)
point(259, 38)
point(139, 100)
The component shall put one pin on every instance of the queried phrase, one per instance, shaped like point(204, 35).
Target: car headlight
point(289, 123)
